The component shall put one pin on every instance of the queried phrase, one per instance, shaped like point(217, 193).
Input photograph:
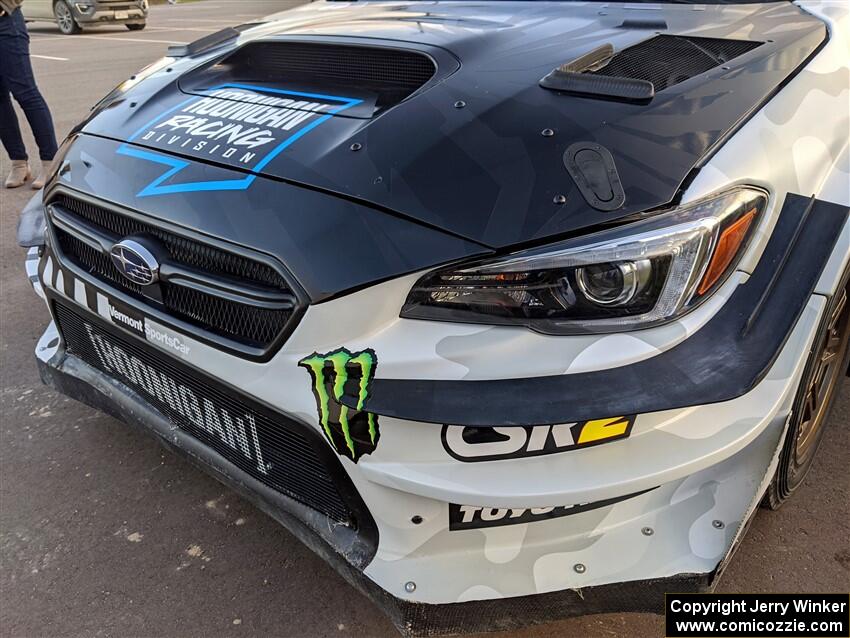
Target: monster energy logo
point(352, 432)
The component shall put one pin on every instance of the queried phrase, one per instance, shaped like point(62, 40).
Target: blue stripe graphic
point(176, 165)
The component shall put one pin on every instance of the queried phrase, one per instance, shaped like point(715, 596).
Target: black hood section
point(330, 245)
point(470, 150)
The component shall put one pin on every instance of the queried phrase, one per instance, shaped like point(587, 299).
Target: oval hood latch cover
point(592, 168)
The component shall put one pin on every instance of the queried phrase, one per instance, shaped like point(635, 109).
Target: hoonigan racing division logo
point(352, 432)
point(237, 125)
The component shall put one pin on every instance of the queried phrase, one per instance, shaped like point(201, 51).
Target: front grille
point(182, 250)
point(290, 456)
point(231, 318)
point(666, 60)
point(241, 322)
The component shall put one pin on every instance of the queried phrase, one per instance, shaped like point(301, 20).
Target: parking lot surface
point(104, 533)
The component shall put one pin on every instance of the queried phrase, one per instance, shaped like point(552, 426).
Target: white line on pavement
point(74, 38)
point(199, 30)
point(107, 37)
point(48, 57)
point(196, 20)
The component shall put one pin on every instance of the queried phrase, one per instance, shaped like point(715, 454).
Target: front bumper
point(77, 379)
point(660, 510)
point(620, 557)
point(132, 14)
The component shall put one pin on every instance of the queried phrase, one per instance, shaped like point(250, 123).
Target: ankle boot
point(44, 175)
point(19, 174)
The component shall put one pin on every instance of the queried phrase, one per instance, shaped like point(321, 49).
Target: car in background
point(71, 16)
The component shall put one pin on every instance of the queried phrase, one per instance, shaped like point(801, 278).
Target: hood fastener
point(647, 531)
point(547, 132)
point(718, 524)
point(410, 587)
point(356, 146)
point(579, 568)
point(459, 104)
point(559, 200)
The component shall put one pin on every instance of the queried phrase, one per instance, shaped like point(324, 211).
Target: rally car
point(509, 310)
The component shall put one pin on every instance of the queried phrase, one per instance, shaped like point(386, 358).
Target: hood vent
point(637, 73)
point(387, 73)
point(666, 60)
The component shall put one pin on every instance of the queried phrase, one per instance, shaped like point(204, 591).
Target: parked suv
point(72, 15)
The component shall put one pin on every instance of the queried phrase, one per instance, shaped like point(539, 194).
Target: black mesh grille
point(666, 60)
point(94, 262)
point(289, 457)
point(392, 74)
point(244, 323)
point(182, 250)
point(231, 318)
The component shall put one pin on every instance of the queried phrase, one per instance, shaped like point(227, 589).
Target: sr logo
point(471, 444)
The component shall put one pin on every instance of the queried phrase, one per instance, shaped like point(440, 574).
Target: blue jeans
point(16, 79)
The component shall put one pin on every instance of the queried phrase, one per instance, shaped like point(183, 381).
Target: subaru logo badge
point(135, 262)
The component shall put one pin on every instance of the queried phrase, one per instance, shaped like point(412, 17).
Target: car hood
point(478, 150)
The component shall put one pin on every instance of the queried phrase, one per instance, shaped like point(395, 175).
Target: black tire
point(821, 382)
point(65, 18)
point(136, 27)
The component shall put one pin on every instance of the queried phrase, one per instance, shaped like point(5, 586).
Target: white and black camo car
point(510, 310)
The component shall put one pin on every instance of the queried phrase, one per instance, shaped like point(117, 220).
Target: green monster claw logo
point(352, 432)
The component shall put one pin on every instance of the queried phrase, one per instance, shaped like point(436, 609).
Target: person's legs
point(10, 132)
point(16, 68)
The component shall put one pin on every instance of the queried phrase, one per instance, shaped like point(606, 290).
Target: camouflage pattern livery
point(657, 495)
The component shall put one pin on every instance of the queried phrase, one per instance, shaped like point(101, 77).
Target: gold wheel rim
point(824, 380)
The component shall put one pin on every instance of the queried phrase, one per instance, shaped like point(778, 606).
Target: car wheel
point(136, 27)
point(65, 19)
point(825, 369)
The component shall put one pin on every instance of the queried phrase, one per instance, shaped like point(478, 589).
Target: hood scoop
point(635, 74)
point(378, 76)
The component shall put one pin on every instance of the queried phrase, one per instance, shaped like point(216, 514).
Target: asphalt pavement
point(104, 533)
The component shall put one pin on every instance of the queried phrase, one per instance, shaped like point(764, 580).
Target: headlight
point(633, 276)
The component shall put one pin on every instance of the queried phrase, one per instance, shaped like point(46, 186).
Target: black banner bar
point(758, 615)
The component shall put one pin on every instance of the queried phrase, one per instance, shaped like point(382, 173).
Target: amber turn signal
point(727, 247)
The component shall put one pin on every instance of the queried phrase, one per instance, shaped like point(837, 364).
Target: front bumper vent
point(281, 453)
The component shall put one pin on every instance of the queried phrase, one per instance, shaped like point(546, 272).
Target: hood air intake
point(638, 72)
point(388, 73)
